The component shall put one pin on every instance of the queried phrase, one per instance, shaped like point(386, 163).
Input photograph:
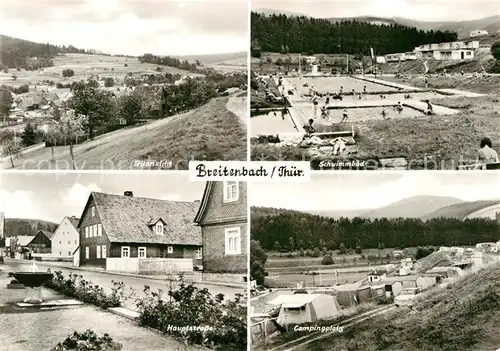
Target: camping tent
point(304, 308)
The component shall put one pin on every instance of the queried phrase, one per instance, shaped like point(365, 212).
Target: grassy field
point(233, 65)
point(463, 317)
point(210, 132)
point(84, 66)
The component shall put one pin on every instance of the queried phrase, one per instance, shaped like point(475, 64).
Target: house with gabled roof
point(66, 238)
point(41, 242)
point(223, 218)
point(139, 235)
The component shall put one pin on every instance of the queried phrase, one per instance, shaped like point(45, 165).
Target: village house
point(19, 245)
point(41, 242)
point(376, 276)
point(66, 238)
point(223, 219)
point(139, 235)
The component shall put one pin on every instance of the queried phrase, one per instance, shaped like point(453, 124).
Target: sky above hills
point(176, 27)
point(427, 10)
point(50, 197)
point(359, 190)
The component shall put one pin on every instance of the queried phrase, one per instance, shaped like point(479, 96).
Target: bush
point(301, 253)
point(88, 341)
point(77, 287)
point(327, 260)
point(109, 82)
point(68, 73)
point(190, 306)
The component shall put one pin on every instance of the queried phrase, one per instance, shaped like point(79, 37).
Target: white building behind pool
point(478, 33)
point(456, 50)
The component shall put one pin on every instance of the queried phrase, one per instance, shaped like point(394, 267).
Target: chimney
point(128, 193)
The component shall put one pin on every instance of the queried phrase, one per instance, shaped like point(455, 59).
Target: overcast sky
point(163, 27)
point(354, 191)
point(51, 197)
point(429, 10)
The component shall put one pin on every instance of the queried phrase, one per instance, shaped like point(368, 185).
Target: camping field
point(210, 132)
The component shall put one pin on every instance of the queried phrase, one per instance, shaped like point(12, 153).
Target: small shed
point(305, 308)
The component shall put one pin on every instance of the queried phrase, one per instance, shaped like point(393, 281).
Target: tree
point(68, 73)
point(358, 250)
point(342, 249)
point(96, 104)
point(70, 127)
point(327, 260)
point(130, 107)
point(258, 258)
point(109, 82)
point(30, 134)
point(53, 134)
point(291, 244)
point(277, 246)
point(11, 149)
point(5, 103)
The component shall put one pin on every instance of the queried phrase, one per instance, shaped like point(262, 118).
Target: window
point(98, 251)
point(60, 253)
point(69, 253)
point(199, 253)
point(91, 230)
point(125, 251)
point(69, 242)
point(170, 249)
point(233, 241)
point(87, 253)
point(159, 228)
point(60, 242)
point(142, 252)
point(99, 229)
point(92, 210)
point(103, 251)
point(86, 232)
point(231, 191)
point(76, 242)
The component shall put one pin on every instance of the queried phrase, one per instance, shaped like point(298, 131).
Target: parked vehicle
point(407, 297)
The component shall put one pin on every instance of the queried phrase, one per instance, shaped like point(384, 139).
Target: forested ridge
point(292, 34)
point(308, 231)
point(19, 53)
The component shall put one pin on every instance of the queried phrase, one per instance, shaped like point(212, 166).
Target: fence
point(160, 266)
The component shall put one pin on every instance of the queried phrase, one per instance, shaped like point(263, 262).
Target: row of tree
point(171, 62)
point(291, 231)
point(291, 34)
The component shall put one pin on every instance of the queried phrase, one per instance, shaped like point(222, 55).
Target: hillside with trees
point(19, 53)
point(291, 34)
point(170, 62)
point(22, 226)
point(297, 230)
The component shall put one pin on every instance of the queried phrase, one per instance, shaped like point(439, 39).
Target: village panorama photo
point(108, 84)
point(376, 84)
point(146, 261)
point(381, 261)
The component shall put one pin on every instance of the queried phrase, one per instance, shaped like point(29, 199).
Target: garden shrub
point(77, 287)
point(187, 306)
point(88, 341)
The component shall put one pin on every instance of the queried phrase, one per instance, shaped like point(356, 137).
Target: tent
point(304, 308)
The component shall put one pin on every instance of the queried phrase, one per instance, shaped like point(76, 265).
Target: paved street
point(32, 329)
point(105, 280)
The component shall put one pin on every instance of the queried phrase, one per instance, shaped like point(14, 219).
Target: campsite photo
point(119, 85)
point(380, 261)
point(372, 85)
point(144, 261)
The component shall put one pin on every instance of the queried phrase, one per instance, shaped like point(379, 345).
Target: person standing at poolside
point(315, 105)
point(486, 155)
point(344, 116)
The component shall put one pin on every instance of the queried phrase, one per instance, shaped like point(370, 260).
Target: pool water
point(271, 123)
point(359, 114)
